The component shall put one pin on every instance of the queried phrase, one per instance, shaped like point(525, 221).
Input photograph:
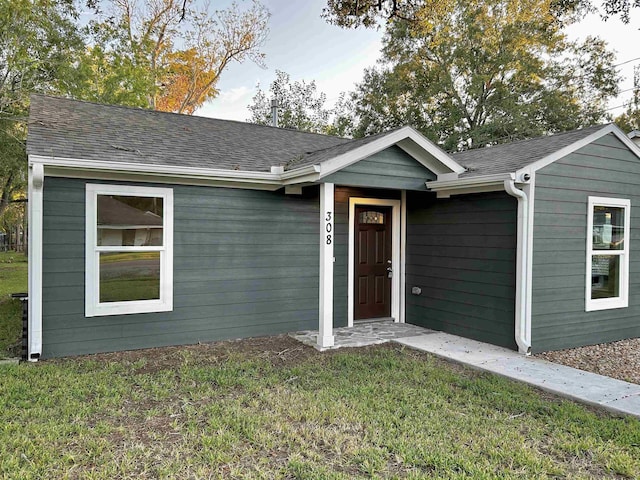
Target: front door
point(372, 256)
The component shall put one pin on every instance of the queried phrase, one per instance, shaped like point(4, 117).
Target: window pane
point(124, 220)
point(129, 276)
point(371, 217)
point(608, 228)
point(605, 276)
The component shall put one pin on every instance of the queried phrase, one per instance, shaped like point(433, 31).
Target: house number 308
point(329, 227)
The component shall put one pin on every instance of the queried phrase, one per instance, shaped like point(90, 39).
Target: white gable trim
point(563, 152)
point(412, 142)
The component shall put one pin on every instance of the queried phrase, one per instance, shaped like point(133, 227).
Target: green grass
point(13, 279)
point(139, 288)
point(278, 410)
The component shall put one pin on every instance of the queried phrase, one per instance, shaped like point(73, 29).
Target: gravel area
point(619, 360)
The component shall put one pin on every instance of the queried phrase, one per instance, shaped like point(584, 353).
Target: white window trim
point(93, 307)
point(621, 301)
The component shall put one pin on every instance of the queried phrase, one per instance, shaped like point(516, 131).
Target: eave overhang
point(408, 139)
point(466, 185)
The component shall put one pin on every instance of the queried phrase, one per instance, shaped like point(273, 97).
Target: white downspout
point(522, 322)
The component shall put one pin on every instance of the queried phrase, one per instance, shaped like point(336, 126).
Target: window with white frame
point(129, 250)
point(607, 253)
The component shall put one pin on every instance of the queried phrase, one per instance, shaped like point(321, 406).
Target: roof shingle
point(509, 157)
point(65, 128)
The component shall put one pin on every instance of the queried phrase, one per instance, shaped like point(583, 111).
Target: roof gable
point(390, 168)
point(423, 151)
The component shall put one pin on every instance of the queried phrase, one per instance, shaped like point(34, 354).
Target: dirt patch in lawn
point(278, 350)
point(619, 360)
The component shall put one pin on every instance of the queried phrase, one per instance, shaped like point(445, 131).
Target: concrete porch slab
point(363, 334)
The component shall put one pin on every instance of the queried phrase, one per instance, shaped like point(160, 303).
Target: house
point(151, 229)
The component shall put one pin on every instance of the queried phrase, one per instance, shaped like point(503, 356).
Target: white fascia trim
point(308, 174)
point(485, 183)
point(135, 169)
point(563, 152)
point(634, 134)
point(35, 205)
point(447, 164)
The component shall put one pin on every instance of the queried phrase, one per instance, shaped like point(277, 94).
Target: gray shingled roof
point(319, 156)
point(73, 129)
point(82, 130)
point(510, 157)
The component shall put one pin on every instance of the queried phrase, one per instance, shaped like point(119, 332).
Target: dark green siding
point(605, 168)
point(462, 253)
point(245, 264)
point(341, 250)
point(390, 168)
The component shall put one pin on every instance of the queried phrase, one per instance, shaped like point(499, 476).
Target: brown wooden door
point(372, 259)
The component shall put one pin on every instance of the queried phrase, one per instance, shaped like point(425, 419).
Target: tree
point(167, 54)
point(369, 13)
point(630, 119)
point(301, 107)
point(484, 71)
point(39, 45)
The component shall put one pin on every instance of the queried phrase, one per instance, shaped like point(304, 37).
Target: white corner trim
point(621, 301)
point(563, 152)
point(395, 253)
point(446, 163)
point(35, 195)
point(93, 306)
point(403, 257)
point(530, 190)
point(325, 312)
point(522, 322)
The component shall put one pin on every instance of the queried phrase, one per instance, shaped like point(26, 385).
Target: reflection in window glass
point(608, 228)
point(605, 278)
point(371, 217)
point(129, 221)
point(126, 276)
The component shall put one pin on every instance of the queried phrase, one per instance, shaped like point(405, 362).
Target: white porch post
point(325, 333)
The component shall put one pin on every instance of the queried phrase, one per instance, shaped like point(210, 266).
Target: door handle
point(389, 270)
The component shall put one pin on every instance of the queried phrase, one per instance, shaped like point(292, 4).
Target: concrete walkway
point(584, 387)
point(590, 388)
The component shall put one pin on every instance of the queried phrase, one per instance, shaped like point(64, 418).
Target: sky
point(306, 47)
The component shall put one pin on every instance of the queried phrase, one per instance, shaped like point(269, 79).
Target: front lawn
point(13, 279)
point(271, 408)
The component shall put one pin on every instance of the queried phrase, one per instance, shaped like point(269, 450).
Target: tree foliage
point(167, 54)
point(301, 106)
point(369, 13)
point(471, 72)
point(630, 119)
point(39, 44)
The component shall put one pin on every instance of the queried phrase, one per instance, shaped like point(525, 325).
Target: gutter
point(459, 186)
point(522, 320)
